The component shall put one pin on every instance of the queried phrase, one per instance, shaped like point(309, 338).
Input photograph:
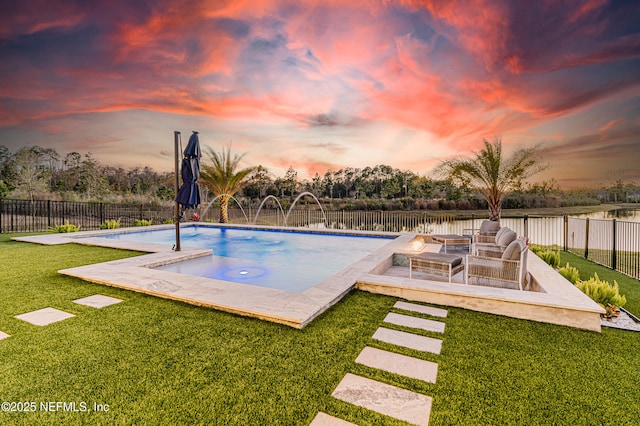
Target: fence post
point(526, 226)
point(586, 240)
point(613, 252)
point(565, 234)
point(101, 213)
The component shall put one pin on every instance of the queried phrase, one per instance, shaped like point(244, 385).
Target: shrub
point(603, 293)
point(168, 221)
point(551, 257)
point(570, 273)
point(110, 224)
point(67, 227)
point(143, 222)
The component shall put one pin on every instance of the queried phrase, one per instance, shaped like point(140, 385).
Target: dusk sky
point(323, 85)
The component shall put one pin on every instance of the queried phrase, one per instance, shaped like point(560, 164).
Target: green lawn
point(156, 361)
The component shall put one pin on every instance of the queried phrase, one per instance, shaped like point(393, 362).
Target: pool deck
point(556, 302)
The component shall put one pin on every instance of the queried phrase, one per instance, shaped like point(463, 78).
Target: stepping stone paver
point(408, 340)
point(3, 335)
point(436, 312)
point(413, 322)
point(385, 399)
point(97, 301)
point(44, 316)
point(399, 364)
point(322, 419)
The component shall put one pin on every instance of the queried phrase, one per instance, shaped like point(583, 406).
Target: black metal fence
point(612, 243)
point(39, 216)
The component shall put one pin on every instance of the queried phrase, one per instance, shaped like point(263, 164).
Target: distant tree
point(32, 176)
point(222, 179)
point(316, 185)
point(493, 175)
point(92, 181)
point(289, 183)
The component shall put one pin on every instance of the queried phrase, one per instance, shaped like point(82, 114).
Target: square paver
point(385, 399)
point(97, 301)
point(413, 322)
point(408, 340)
point(399, 364)
point(44, 316)
point(435, 312)
point(3, 335)
point(322, 419)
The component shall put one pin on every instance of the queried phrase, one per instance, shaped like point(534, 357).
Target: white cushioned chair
point(507, 271)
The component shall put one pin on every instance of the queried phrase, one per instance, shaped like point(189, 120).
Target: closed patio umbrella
point(188, 195)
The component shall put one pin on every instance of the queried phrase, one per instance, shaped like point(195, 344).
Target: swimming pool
point(285, 260)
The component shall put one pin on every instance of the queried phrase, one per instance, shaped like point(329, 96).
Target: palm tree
point(493, 175)
point(222, 179)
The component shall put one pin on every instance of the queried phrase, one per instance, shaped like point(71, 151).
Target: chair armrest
point(485, 239)
point(493, 268)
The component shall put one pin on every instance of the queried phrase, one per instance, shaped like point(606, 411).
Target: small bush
point(168, 221)
point(570, 273)
point(110, 224)
point(551, 257)
point(143, 222)
point(602, 292)
point(67, 227)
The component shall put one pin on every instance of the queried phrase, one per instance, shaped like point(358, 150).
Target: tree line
point(42, 173)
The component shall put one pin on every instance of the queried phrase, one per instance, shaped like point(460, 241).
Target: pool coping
point(559, 302)
point(295, 309)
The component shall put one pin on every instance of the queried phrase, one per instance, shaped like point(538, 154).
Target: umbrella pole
point(176, 216)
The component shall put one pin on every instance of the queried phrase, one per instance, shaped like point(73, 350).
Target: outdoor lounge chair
point(497, 246)
point(508, 271)
point(486, 233)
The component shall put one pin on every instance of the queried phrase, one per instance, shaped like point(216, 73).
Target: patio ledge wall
point(560, 302)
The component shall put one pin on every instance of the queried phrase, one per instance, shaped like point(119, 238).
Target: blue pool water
point(293, 261)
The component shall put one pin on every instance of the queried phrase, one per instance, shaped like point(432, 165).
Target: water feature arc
point(223, 195)
point(255, 219)
point(302, 194)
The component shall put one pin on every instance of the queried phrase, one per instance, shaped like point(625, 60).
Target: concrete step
point(408, 340)
point(398, 364)
point(413, 322)
point(385, 399)
point(436, 312)
point(44, 316)
point(322, 419)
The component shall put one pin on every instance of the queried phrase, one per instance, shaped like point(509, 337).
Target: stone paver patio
point(3, 335)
